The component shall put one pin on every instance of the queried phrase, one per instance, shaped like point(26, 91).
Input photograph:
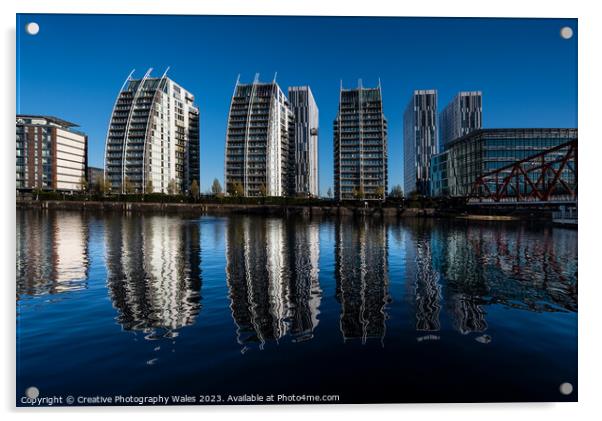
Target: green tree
point(380, 192)
point(216, 187)
point(149, 188)
point(396, 192)
point(358, 192)
point(237, 189)
point(194, 189)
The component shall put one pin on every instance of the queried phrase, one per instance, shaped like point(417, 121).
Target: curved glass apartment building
point(257, 140)
point(152, 143)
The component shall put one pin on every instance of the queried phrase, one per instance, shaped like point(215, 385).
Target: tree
point(108, 186)
point(194, 189)
point(103, 186)
point(329, 192)
point(83, 184)
point(128, 186)
point(358, 193)
point(216, 187)
point(263, 190)
point(237, 189)
point(396, 192)
point(172, 187)
point(380, 192)
point(149, 188)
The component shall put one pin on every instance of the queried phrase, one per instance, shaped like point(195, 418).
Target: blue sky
point(74, 67)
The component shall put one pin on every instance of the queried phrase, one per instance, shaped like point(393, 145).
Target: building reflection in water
point(272, 277)
point(305, 292)
point(463, 268)
point(452, 253)
point(508, 265)
point(52, 252)
point(154, 275)
point(532, 270)
point(362, 279)
point(422, 278)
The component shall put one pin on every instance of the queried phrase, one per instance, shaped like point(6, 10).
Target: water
point(370, 310)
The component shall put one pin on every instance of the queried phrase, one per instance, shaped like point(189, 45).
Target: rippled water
point(371, 310)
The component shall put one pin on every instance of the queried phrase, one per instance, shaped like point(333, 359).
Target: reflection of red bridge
point(549, 177)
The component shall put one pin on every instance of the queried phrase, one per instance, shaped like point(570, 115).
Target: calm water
point(373, 311)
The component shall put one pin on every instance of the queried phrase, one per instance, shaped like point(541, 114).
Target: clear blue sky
point(74, 67)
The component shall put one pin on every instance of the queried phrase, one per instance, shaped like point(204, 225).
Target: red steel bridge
point(546, 178)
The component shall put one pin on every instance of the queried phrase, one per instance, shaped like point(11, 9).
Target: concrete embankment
point(218, 208)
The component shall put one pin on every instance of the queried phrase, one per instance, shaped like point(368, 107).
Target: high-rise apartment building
point(419, 140)
point(152, 143)
point(360, 145)
point(258, 140)
point(51, 155)
point(461, 116)
point(304, 148)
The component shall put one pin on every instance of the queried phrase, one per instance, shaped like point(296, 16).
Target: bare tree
point(216, 187)
point(172, 187)
point(128, 186)
point(149, 188)
point(194, 189)
point(396, 192)
point(263, 190)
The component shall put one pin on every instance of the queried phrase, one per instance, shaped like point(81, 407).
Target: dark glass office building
point(454, 171)
point(419, 140)
point(304, 147)
point(461, 116)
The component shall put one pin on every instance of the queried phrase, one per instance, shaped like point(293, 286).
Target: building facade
point(461, 116)
point(152, 143)
point(95, 175)
point(485, 150)
point(360, 145)
point(420, 140)
point(51, 155)
point(258, 140)
point(304, 174)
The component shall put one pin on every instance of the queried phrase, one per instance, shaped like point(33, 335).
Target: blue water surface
point(367, 309)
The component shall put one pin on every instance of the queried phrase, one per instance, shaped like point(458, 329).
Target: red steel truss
point(548, 175)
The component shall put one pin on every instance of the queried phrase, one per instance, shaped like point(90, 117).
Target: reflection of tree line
point(154, 276)
point(272, 276)
point(52, 252)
